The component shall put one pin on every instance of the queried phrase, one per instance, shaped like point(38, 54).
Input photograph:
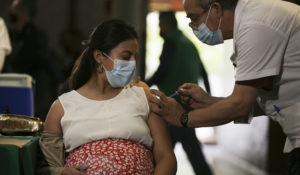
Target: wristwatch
point(184, 119)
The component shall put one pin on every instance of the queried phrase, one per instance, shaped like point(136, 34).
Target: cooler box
point(16, 94)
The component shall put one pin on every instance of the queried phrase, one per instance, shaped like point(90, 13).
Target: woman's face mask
point(122, 73)
point(205, 35)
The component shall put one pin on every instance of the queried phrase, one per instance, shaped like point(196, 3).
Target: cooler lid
point(15, 80)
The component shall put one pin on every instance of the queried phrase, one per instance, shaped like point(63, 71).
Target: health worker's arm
point(239, 103)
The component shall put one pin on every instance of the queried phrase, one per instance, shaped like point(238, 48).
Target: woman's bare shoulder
point(54, 116)
point(142, 84)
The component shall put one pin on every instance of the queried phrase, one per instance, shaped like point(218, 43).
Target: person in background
point(104, 124)
point(266, 59)
point(180, 63)
point(5, 47)
point(294, 1)
point(30, 54)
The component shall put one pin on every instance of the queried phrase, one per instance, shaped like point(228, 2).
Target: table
point(18, 155)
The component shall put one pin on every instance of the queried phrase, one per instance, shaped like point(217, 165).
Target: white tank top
point(124, 116)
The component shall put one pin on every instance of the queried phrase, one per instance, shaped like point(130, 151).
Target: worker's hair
point(226, 4)
point(169, 18)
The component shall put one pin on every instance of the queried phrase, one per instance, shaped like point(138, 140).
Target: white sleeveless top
point(123, 116)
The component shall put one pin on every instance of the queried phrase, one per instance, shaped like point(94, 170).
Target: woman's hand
point(193, 96)
point(73, 171)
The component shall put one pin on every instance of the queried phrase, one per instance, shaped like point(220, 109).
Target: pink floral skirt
point(112, 156)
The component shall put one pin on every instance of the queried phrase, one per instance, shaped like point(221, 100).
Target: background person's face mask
point(205, 35)
point(122, 73)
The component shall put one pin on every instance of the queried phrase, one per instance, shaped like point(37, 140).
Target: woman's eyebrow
point(127, 51)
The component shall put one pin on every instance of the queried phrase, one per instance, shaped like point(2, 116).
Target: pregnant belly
point(112, 156)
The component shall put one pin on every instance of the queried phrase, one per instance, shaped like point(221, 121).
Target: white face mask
point(205, 35)
point(122, 73)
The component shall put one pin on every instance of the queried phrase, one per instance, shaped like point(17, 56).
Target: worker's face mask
point(205, 35)
point(122, 73)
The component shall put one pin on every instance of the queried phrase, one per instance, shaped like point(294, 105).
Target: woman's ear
point(218, 7)
point(98, 56)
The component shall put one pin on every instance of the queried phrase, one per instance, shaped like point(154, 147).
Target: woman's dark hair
point(104, 37)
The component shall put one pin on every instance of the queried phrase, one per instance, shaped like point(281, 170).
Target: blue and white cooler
point(16, 94)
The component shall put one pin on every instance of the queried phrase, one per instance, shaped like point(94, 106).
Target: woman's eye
point(126, 58)
point(195, 19)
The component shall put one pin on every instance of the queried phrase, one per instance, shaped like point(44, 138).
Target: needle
point(174, 94)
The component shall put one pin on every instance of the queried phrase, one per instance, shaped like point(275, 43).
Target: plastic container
point(16, 94)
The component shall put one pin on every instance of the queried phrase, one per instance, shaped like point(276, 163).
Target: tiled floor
point(219, 161)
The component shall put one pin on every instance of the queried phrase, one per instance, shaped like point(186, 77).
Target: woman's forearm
point(52, 149)
point(166, 165)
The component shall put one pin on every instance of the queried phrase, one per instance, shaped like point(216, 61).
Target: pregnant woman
point(103, 124)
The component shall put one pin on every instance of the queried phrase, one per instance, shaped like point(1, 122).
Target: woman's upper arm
point(52, 123)
point(157, 125)
point(160, 135)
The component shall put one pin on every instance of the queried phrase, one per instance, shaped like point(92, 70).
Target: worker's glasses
point(194, 19)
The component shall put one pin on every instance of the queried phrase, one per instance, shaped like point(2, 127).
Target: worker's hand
point(136, 82)
point(73, 171)
point(165, 107)
point(193, 96)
